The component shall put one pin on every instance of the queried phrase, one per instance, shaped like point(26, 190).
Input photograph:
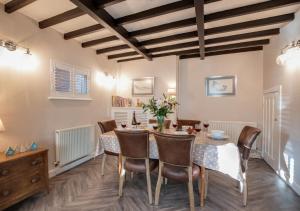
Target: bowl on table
point(217, 134)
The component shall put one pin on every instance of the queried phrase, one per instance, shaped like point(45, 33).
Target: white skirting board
point(59, 170)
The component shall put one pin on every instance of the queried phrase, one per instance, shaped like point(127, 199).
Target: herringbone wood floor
point(83, 188)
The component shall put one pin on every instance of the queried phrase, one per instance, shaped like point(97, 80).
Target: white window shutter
point(69, 82)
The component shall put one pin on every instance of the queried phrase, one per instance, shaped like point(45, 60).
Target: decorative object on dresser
point(218, 86)
point(22, 176)
point(143, 86)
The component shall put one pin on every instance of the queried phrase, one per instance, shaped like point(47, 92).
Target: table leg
point(120, 163)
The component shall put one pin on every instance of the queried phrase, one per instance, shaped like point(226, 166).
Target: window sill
point(70, 98)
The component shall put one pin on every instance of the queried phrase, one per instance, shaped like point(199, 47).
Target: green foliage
point(161, 107)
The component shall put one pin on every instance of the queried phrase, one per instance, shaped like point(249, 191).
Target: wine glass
point(206, 125)
point(123, 124)
point(197, 127)
point(174, 124)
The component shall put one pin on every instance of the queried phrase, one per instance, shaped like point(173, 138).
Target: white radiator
point(231, 128)
point(73, 144)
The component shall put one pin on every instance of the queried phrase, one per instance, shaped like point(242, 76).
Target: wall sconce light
point(105, 79)
point(16, 56)
point(290, 55)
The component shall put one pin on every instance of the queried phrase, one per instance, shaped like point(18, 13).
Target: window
point(69, 82)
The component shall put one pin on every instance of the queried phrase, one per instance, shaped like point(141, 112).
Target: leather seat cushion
point(139, 165)
point(111, 153)
point(180, 173)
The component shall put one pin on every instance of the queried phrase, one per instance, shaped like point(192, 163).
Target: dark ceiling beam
point(207, 54)
point(196, 50)
point(251, 24)
point(223, 29)
point(238, 45)
point(106, 3)
point(62, 17)
point(250, 9)
point(83, 31)
point(99, 41)
point(164, 27)
point(231, 38)
point(130, 59)
point(215, 16)
point(15, 5)
point(232, 51)
point(106, 20)
point(71, 14)
point(114, 48)
point(157, 11)
point(199, 10)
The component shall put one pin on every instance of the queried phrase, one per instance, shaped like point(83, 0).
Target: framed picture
point(217, 86)
point(143, 86)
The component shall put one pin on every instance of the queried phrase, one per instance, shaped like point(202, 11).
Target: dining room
point(149, 105)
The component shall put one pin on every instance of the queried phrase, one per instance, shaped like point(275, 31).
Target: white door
point(271, 128)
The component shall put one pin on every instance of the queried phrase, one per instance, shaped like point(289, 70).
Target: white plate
point(221, 138)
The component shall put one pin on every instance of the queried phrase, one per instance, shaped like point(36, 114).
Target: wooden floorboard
point(83, 188)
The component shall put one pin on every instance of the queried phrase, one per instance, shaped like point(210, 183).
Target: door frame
point(275, 89)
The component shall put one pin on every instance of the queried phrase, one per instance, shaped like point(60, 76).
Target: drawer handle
point(36, 161)
point(4, 172)
point(35, 179)
point(5, 193)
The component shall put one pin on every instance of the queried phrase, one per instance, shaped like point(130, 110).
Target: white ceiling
point(43, 9)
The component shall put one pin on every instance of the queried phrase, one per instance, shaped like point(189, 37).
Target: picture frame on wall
point(220, 86)
point(143, 86)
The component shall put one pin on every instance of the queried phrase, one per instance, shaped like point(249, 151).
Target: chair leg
point(148, 181)
point(203, 184)
point(165, 181)
point(103, 164)
point(190, 188)
point(131, 175)
point(122, 176)
point(120, 163)
point(245, 190)
point(158, 185)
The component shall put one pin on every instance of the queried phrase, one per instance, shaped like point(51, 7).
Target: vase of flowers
point(160, 108)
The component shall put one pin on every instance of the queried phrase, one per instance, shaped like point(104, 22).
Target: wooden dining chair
point(107, 126)
point(245, 142)
point(167, 122)
point(176, 162)
point(186, 122)
point(134, 147)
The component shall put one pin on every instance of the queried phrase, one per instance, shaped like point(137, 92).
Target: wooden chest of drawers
point(22, 175)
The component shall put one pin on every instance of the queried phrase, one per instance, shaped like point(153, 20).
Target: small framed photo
point(143, 86)
point(218, 86)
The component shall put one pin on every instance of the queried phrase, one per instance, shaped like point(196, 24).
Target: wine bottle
point(133, 122)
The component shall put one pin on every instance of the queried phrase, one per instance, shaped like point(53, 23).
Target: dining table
point(219, 155)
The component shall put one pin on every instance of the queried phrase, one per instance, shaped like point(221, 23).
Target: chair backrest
point(107, 126)
point(186, 122)
point(167, 122)
point(246, 140)
point(175, 149)
point(134, 144)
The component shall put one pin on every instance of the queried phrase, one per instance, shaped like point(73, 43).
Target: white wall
point(26, 112)
point(275, 75)
point(163, 69)
point(246, 105)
